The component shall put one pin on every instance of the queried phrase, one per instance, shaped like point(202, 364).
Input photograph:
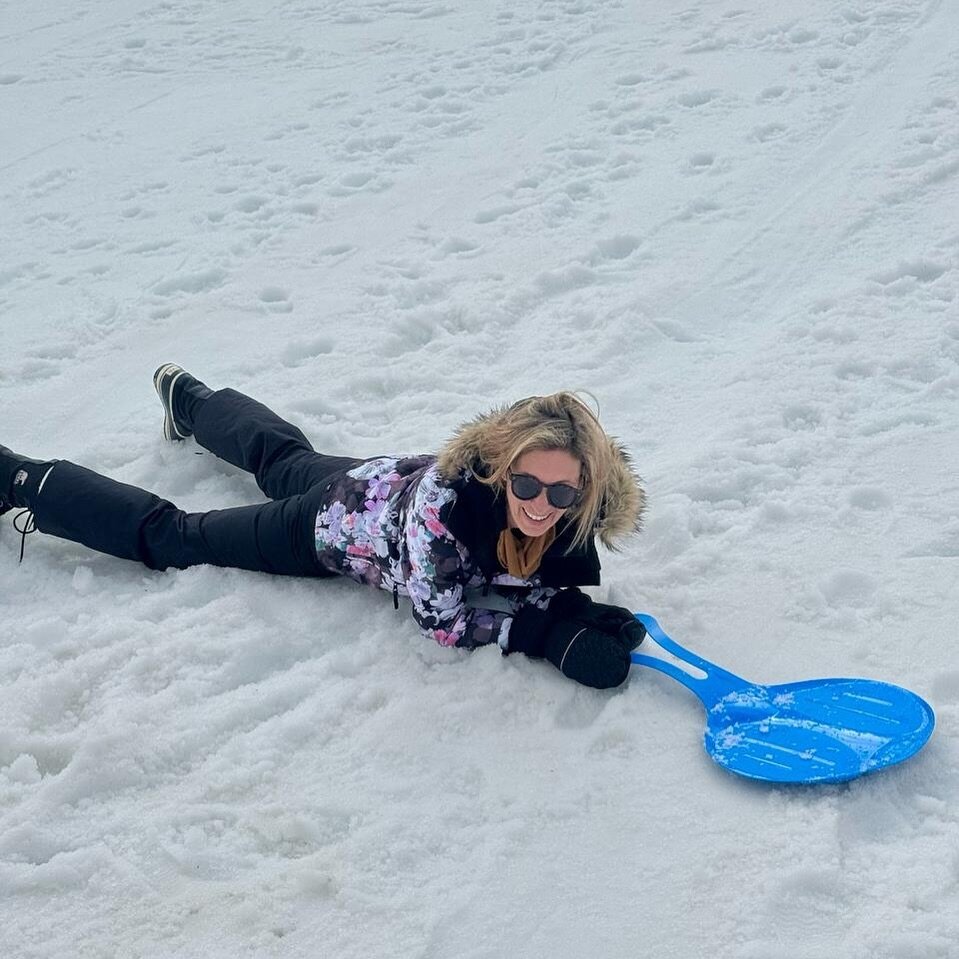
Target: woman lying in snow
point(488, 539)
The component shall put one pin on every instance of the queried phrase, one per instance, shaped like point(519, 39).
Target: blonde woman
point(488, 539)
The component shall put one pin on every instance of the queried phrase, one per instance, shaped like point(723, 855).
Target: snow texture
point(737, 224)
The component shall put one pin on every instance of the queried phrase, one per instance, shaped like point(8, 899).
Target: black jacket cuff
point(528, 632)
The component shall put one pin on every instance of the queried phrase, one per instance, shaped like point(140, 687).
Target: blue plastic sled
point(818, 731)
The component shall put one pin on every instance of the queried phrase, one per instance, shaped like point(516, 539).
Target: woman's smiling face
point(535, 516)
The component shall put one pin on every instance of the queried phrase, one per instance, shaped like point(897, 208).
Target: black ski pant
point(276, 537)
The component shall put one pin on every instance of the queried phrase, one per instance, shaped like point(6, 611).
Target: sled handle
point(711, 688)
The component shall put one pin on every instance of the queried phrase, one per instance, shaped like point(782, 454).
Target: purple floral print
point(382, 526)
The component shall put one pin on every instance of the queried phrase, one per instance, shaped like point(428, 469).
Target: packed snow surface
point(735, 223)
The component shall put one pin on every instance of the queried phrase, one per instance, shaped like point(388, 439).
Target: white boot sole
point(163, 381)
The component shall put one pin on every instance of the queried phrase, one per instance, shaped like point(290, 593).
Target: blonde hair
point(490, 444)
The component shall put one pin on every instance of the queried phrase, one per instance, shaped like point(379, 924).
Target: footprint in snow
point(557, 282)
point(137, 213)
point(641, 127)
point(496, 213)
point(619, 247)
point(357, 182)
point(700, 163)
point(771, 93)
point(944, 546)
point(769, 131)
point(674, 331)
point(631, 80)
point(51, 181)
point(457, 246)
point(193, 283)
point(337, 250)
point(250, 204)
point(700, 209)
point(362, 146)
point(921, 271)
point(299, 352)
point(275, 300)
point(697, 98)
point(869, 498)
point(147, 189)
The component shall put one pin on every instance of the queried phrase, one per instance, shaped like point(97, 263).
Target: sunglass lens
point(526, 487)
point(561, 496)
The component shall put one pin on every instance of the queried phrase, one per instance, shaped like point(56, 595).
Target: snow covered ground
point(735, 222)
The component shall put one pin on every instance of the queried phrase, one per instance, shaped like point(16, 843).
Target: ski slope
point(734, 223)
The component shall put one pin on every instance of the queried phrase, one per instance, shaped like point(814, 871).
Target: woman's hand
point(583, 652)
point(588, 655)
point(615, 620)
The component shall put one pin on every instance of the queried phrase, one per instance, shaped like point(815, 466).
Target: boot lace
point(23, 523)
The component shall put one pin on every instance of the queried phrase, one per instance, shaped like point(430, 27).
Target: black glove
point(583, 653)
point(590, 656)
point(615, 620)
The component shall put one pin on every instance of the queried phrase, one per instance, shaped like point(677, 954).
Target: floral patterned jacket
point(396, 524)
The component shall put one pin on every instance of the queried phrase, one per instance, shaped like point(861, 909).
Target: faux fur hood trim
point(624, 500)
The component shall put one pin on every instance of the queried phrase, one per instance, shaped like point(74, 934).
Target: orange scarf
point(521, 557)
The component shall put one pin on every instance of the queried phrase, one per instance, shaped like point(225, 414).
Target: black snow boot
point(180, 393)
point(20, 479)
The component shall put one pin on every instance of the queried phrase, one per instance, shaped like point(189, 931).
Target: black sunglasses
point(559, 495)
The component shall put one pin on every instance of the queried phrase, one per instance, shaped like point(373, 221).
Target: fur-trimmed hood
point(623, 498)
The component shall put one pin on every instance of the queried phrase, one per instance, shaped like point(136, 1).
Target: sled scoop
point(815, 731)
